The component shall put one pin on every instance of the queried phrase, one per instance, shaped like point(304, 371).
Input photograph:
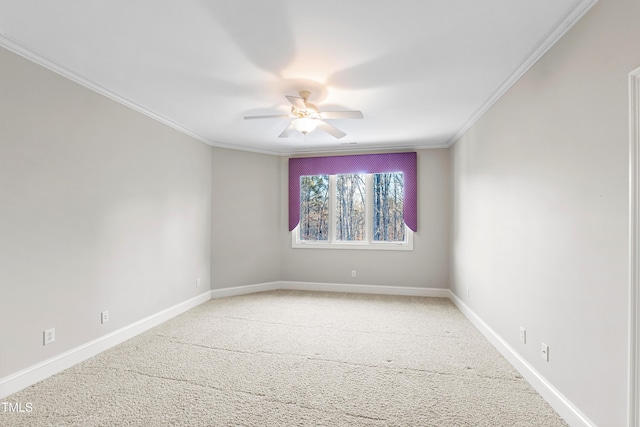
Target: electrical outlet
point(353, 273)
point(197, 283)
point(523, 335)
point(48, 336)
point(104, 316)
point(544, 352)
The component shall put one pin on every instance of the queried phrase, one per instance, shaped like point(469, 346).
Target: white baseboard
point(366, 289)
point(244, 290)
point(571, 414)
point(330, 287)
point(31, 375)
point(45, 369)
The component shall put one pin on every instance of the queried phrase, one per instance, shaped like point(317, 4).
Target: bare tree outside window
point(314, 207)
point(388, 205)
point(350, 207)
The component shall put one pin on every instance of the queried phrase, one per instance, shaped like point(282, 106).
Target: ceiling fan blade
point(297, 102)
point(341, 115)
point(330, 129)
point(287, 132)
point(273, 116)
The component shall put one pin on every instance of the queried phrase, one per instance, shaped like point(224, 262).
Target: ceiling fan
point(307, 118)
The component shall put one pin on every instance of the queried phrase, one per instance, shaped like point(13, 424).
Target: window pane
point(350, 207)
point(314, 207)
point(388, 198)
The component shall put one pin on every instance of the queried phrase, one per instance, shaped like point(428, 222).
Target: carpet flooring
point(293, 358)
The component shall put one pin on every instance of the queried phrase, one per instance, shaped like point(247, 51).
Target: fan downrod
point(305, 94)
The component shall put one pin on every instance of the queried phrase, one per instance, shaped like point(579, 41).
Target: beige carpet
point(290, 358)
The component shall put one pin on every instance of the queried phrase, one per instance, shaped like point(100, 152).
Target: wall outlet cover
point(48, 336)
point(544, 352)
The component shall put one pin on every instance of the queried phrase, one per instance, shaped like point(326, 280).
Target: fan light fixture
point(305, 125)
point(307, 118)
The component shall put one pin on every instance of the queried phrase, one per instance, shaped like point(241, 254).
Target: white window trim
point(369, 244)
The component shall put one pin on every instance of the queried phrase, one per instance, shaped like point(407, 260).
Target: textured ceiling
point(421, 71)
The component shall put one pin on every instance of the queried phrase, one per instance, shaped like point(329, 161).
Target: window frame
point(369, 243)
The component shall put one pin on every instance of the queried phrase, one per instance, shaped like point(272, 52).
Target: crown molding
point(237, 147)
point(579, 8)
point(564, 24)
point(25, 52)
point(364, 148)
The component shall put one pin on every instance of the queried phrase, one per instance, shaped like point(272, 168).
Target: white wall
point(540, 211)
point(245, 218)
point(427, 266)
point(101, 208)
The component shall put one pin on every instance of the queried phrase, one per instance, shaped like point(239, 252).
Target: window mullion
point(369, 207)
point(332, 208)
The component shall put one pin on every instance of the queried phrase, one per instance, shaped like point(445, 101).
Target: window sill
point(367, 246)
point(355, 246)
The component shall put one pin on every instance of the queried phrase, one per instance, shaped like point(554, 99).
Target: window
point(388, 204)
point(364, 201)
point(314, 208)
point(352, 211)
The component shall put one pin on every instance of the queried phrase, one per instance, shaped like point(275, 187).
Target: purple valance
point(360, 163)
